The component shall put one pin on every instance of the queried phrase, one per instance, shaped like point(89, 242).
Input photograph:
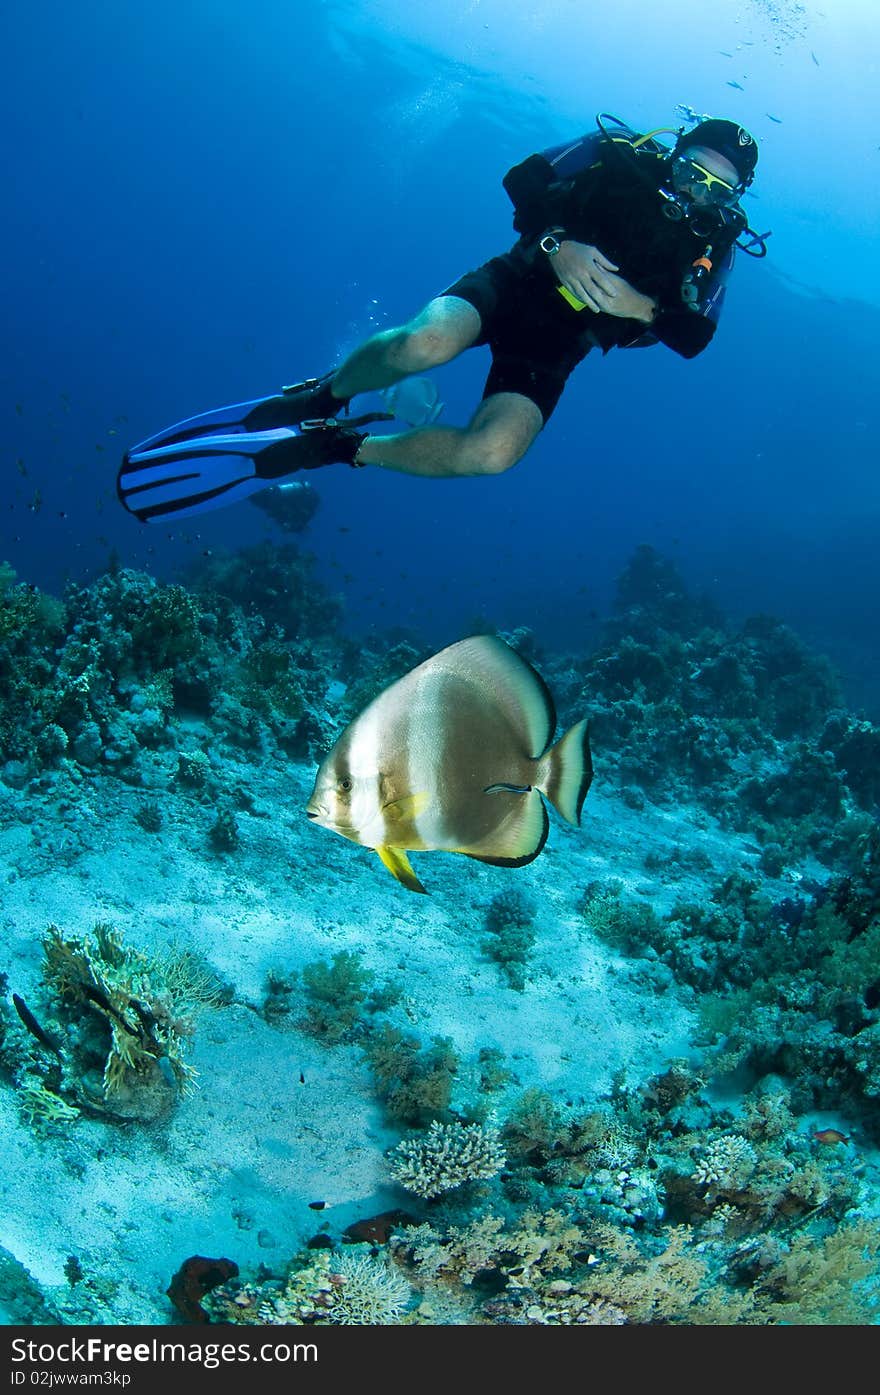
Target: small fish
point(415, 401)
point(33, 1026)
point(777, 119)
point(814, 58)
point(455, 757)
point(724, 53)
point(738, 85)
point(318, 1205)
point(829, 1136)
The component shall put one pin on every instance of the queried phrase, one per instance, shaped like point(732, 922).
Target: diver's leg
point(500, 432)
point(445, 327)
point(440, 332)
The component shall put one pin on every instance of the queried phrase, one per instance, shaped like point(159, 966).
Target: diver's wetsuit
point(535, 336)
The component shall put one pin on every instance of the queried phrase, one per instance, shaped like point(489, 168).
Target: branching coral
point(365, 1291)
point(449, 1156)
point(727, 1164)
point(537, 1246)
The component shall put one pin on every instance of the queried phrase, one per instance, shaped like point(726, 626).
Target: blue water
point(205, 201)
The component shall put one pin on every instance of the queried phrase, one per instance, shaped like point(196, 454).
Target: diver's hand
point(585, 272)
point(590, 276)
point(624, 301)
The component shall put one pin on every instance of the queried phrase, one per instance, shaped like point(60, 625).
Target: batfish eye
point(345, 783)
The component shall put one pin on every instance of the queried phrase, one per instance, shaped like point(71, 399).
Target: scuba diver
point(623, 242)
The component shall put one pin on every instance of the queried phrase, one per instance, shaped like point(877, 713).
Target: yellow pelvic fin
point(397, 862)
point(409, 807)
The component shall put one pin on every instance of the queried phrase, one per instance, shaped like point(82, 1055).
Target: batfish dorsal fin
point(398, 864)
point(518, 690)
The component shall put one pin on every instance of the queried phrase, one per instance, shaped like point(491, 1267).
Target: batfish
point(415, 401)
point(455, 757)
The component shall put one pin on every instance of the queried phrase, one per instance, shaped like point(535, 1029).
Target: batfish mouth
point(318, 814)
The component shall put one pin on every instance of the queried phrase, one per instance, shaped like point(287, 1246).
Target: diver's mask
point(701, 186)
point(700, 198)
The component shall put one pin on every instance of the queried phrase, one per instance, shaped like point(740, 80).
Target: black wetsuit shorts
point(536, 338)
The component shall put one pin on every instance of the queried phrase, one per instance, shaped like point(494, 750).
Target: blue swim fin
point(220, 458)
point(301, 402)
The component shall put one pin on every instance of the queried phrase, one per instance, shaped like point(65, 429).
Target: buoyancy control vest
point(541, 188)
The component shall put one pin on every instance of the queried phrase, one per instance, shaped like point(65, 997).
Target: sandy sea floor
point(279, 1120)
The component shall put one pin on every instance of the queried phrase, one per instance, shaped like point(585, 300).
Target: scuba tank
point(530, 184)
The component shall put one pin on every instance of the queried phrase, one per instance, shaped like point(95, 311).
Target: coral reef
point(97, 683)
point(21, 1298)
point(348, 1289)
point(276, 583)
point(748, 722)
point(709, 1192)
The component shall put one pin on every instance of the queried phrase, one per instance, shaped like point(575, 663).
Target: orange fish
point(829, 1136)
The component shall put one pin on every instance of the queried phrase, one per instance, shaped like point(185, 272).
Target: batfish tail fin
point(565, 772)
point(398, 864)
